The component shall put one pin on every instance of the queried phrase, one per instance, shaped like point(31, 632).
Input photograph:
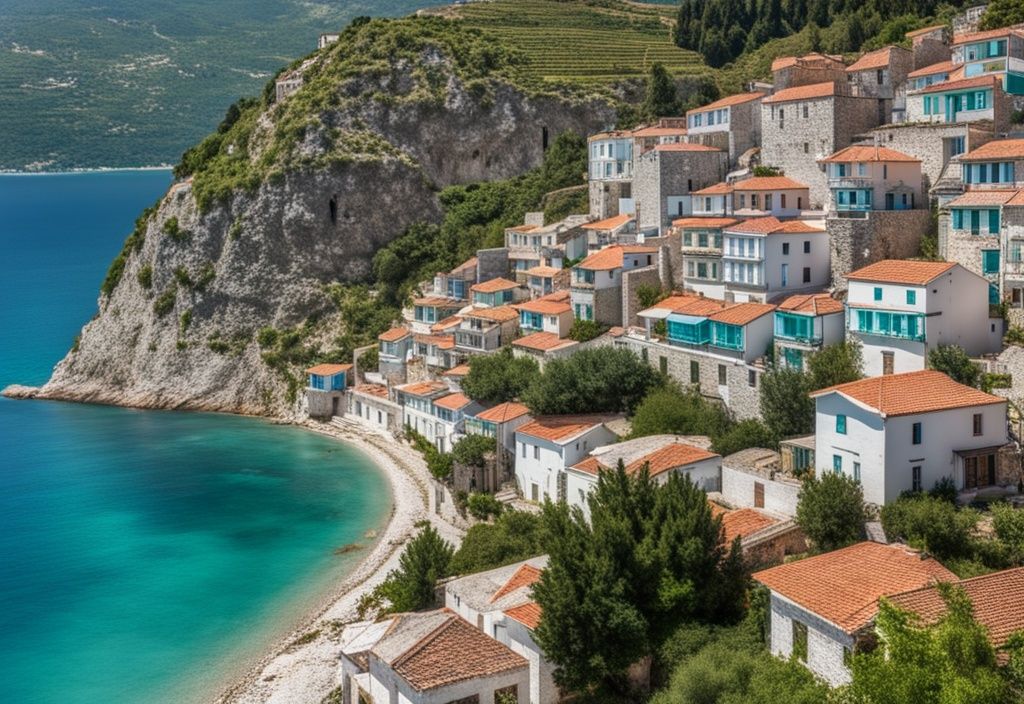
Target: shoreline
point(86, 170)
point(308, 671)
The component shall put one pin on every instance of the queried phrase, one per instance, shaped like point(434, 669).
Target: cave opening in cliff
point(334, 210)
point(544, 138)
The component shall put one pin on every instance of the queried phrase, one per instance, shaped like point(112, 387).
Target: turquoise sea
point(144, 555)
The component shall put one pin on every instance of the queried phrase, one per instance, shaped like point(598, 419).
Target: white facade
point(777, 495)
point(541, 464)
point(610, 158)
point(827, 644)
point(757, 267)
point(782, 203)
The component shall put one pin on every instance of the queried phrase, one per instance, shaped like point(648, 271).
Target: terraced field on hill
point(584, 40)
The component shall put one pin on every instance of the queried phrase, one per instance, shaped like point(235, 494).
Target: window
point(807, 147)
point(694, 371)
point(799, 641)
point(799, 203)
point(785, 275)
point(807, 275)
point(915, 478)
point(806, 113)
point(751, 378)
point(878, 293)
point(880, 76)
point(915, 434)
point(856, 472)
point(807, 247)
point(977, 423)
point(782, 200)
point(990, 261)
point(536, 452)
point(841, 424)
point(785, 247)
point(721, 375)
point(837, 464)
point(524, 450)
point(911, 298)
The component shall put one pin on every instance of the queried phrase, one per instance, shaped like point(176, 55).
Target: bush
point(181, 276)
point(472, 450)
point(425, 560)
point(173, 230)
point(944, 489)
point(957, 364)
point(483, 506)
point(496, 378)
point(831, 511)
point(785, 404)
point(514, 536)
point(145, 277)
point(586, 330)
point(439, 464)
point(931, 524)
point(746, 433)
point(599, 380)
point(672, 410)
point(164, 304)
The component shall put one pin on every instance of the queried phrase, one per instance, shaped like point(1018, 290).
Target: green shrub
point(586, 330)
point(472, 450)
point(944, 489)
point(185, 321)
point(267, 337)
point(206, 275)
point(932, 524)
point(164, 303)
point(831, 511)
point(182, 278)
point(513, 536)
point(132, 244)
point(173, 230)
point(483, 506)
point(145, 276)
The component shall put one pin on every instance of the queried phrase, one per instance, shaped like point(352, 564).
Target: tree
point(669, 410)
point(499, 377)
point(948, 661)
point(1002, 13)
point(836, 364)
point(931, 524)
point(661, 99)
point(647, 295)
point(471, 450)
point(586, 330)
point(785, 404)
point(514, 536)
point(953, 361)
point(747, 433)
point(598, 380)
point(831, 511)
point(425, 560)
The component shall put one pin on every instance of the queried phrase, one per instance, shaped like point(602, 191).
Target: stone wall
point(492, 263)
point(670, 261)
point(804, 75)
point(884, 234)
point(631, 280)
point(324, 404)
point(927, 142)
point(657, 175)
point(608, 306)
point(928, 51)
point(772, 545)
point(964, 248)
point(605, 195)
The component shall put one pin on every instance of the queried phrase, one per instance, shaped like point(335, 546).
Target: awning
point(687, 319)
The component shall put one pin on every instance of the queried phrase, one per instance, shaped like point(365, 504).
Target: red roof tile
point(940, 67)
point(328, 369)
point(501, 314)
point(985, 36)
point(983, 197)
point(710, 223)
point(510, 410)
point(656, 131)
point(561, 428)
point(525, 576)
point(811, 92)
point(611, 223)
point(812, 304)
point(844, 586)
point(544, 271)
point(769, 183)
point(925, 30)
point(422, 388)
point(729, 101)
point(670, 457)
point(378, 390)
point(458, 370)
point(996, 149)
point(742, 313)
point(911, 393)
point(493, 286)
point(543, 307)
point(393, 335)
point(741, 522)
point(718, 189)
point(527, 614)
point(962, 84)
point(437, 302)
point(611, 257)
point(543, 342)
point(880, 58)
point(453, 402)
point(866, 152)
point(901, 271)
point(449, 322)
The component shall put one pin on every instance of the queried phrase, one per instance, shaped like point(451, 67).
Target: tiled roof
point(962, 84)
point(500, 314)
point(543, 307)
point(980, 197)
point(454, 652)
point(741, 522)
point(685, 147)
point(612, 134)
point(590, 465)
point(544, 271)
point(611, 257)
point(985, 36)
point(880, 58)
point(901, 271)
point(458, 370)
point(925, 30)
point(769, 183)
point(453, 402)
point(742, 313)
point(608, 223)
point(543, 342)
point(795, 227)
point(422, 388)
point(996, 149)
point(670, 457)
point(811, 92)
point(436, 302)
point(940, 67)
point(503, 412)
point(865, 152)
point(328, 369)
point(812, 303)
point(911, 393)
point(393, 335)
point(688, 304)
point(561, 428)
point(771, 225)
point(718, 189)
point(998, 601)
point(378, 390)
point(712, 223)
point(469, 264)
point(527, 614)
point(493, 286)
point(843, 586)
point(526, 576)
point(445, 342)
point(728, 101)
point(812, 58)
point(655, 131)
point(1017, 200)
point(449, 322)
point(523, 228)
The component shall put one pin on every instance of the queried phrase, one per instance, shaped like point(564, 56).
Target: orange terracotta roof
point(985, 36)
point(685, 147)
point(924, 30)
point(422, 388)
point(611, 257)
point(543, 342)
point(711, 223)
point(378, 390)
point(655, 131)
point(671, 456)
point(611, 134)
point(719, 189)
point(901, 271)
point(757, 226)
point(998, 601)
point(458, 370)
point(544, 307)
point(964, 83)
point(468, 264)
point(544, 271)
point(940, 67)
point(590, 465)
point(328, 369)
point(795, 227)
point(608, 223)
point(522, 228)
point(444, 342)
point(741, 522)
point(729, 101)
point(690, 304)
point(812, 304)
point(1017, 200)
point(525, 576)
point(996, 149)
point(437, 302)
point(453, 402)
point(880, 58)
point(454, 652)
point(493, 286)
point(982, 197)
point(911, 393)
point(501, 314)
point(843, 586)
point(510, 410)
point(812, 58)
point(769, 183)
point(811, 92)
point(393, 335)
point(560, 428)
point(742, 313)
point(865, 152)
point(527, 614)
point(449, 322)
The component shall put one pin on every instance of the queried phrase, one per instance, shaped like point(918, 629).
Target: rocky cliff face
point(179, 329)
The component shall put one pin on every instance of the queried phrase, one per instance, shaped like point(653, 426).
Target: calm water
point(143, 554)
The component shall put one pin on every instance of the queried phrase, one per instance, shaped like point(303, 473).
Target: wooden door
point(758, 495)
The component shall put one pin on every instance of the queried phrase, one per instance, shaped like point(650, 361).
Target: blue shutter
point(993, 221)
point(958, 219)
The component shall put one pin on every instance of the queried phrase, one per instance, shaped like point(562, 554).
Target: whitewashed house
point(822, 606)
point(432, 410)
point(765, 258)
point(432, 657)
point(900, 310)
point(870, 177)
point(805, 323)
point(483, 330)
point(548, 445)
point(702, 253)
point(596, 292)
point(755, 197)
point(372, 406)
point(906, 432)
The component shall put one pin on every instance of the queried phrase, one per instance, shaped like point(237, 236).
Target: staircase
point(344, 423)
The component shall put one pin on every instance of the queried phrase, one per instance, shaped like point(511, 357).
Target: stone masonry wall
point(660, 174)
point(492, 263)
point(930, 51)
point(608, 306)
point(925, 142)
point(605, 195)
point(964, 248)
point(631, 280)
point(884, 234)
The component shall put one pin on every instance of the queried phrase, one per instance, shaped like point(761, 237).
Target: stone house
point(996, 52)
point(325, 389)
point(597, 281)
point(907, 432)
point(666, 177)
point(878, 74)
point(793, 71)
point(394, 348)
point(822, 607)
point(732, 124)
point(801, 125)
point(857, 239)
point(765, 539)
point(484, 330)
point(548, 445)
point(619, 229)
point(930, 45)
point(532, 244)
point(757, 196)
point(972, 228)
point(431, 657)
point(871, 177)
point(1013, 259)
point(805, 323)
point(668, 130)
point(995, 164)
point(765, 258)
point(702, 253)
point(980, 98)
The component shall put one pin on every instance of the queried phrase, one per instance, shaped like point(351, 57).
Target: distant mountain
point(134, 82)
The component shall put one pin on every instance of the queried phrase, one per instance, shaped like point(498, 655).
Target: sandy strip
point(306, 673)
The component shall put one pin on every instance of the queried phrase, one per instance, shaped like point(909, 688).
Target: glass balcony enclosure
point(904, 326)
point(798, 328)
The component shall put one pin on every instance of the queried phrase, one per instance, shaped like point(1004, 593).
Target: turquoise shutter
point(993, 221)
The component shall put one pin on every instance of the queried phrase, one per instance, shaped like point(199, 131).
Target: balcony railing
point(900, 335)
point(846, 182)
point(802, 339)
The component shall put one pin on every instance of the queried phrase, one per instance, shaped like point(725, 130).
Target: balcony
point(850, 182)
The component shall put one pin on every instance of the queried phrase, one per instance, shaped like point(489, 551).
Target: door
point(890, 201)
point(785, 275)
point(887, 363)
point(758, 495)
